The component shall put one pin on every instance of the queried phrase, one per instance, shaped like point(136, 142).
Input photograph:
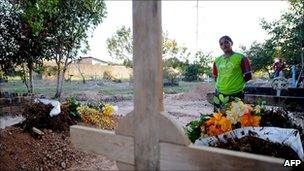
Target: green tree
point(23, 38)
point(191, 72)
point(53, 29)
point(174, 62)
point(286, 40)
point(171, 49)
point(261, 56)
point(68, 30)
point(9, 18)
point(287, 33)
point(204, 61)
point(120, 45)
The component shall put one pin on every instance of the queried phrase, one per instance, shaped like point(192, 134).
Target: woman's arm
point(246, 68)
point(214, 71)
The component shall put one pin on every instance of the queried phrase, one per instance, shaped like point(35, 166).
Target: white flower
point(233, 117)
point(237, 109)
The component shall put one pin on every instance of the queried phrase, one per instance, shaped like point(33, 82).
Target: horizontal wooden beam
point(274, 100)
point(177, 157)
point(172, 156)
point(107, 143)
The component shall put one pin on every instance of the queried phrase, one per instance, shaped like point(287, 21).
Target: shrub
point(191, 72)
point(109, 75)
point(3, 77)
point(71, 104)
point(171, 75)
point(50, 71)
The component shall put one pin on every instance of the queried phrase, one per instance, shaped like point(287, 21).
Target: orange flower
point(216, 117)
point(255, 120)
point(218, 124)
point(250, 120)
point(225, 124)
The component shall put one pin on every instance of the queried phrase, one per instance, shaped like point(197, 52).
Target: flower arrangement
point(217, 124)
point(100, 115)
point(243, 113)
point(231, 115)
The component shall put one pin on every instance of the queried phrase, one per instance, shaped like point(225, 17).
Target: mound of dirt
point(37, 115)
point(197, 93)
point(53, 151)
point(259, 146)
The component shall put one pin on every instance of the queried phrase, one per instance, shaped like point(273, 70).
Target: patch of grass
point(48, 87)
point(183, 87)
point(116, 90)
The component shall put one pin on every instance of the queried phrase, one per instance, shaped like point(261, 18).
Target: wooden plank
point(126, 125)
point(125, 128)
point(125, 166)
point(177, 157)
point(116, 147)
point(174, 132)
point(148, 99)
point(170, 131)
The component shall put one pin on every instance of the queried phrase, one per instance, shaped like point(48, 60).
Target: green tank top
point(230, 78)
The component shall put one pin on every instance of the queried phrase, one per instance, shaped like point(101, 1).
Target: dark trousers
point(231, 96)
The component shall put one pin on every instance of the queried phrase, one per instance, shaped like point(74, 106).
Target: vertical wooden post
point(148, 99)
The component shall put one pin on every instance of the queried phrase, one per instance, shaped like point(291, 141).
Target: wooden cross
point(148, 138)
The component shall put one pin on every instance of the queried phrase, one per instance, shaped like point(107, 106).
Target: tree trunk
point(61, 81)
point(30, 67)
point(24, 78)
point(81, 74)
point(58, 82)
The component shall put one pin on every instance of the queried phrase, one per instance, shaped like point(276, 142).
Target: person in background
point(278, 67)
point(231, 70)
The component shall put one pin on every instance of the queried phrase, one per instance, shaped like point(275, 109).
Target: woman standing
point(231, 70)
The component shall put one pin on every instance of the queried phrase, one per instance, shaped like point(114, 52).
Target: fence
point(13, 103)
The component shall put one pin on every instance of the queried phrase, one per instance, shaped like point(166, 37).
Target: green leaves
point(216, 100)
point(221, 102)
point(193, 128)
point(221, 99)
point(204, 61)
point(73, 104)
point(224, 99)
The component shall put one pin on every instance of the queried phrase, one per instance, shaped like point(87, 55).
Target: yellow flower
point(107, 110)
point(93, 116)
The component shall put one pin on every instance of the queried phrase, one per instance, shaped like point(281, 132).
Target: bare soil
point(256, 145)
point(19, 150)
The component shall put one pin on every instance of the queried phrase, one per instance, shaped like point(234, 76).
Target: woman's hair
point(226, 38)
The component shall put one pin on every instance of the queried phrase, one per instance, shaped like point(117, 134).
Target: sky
point(238, 19)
